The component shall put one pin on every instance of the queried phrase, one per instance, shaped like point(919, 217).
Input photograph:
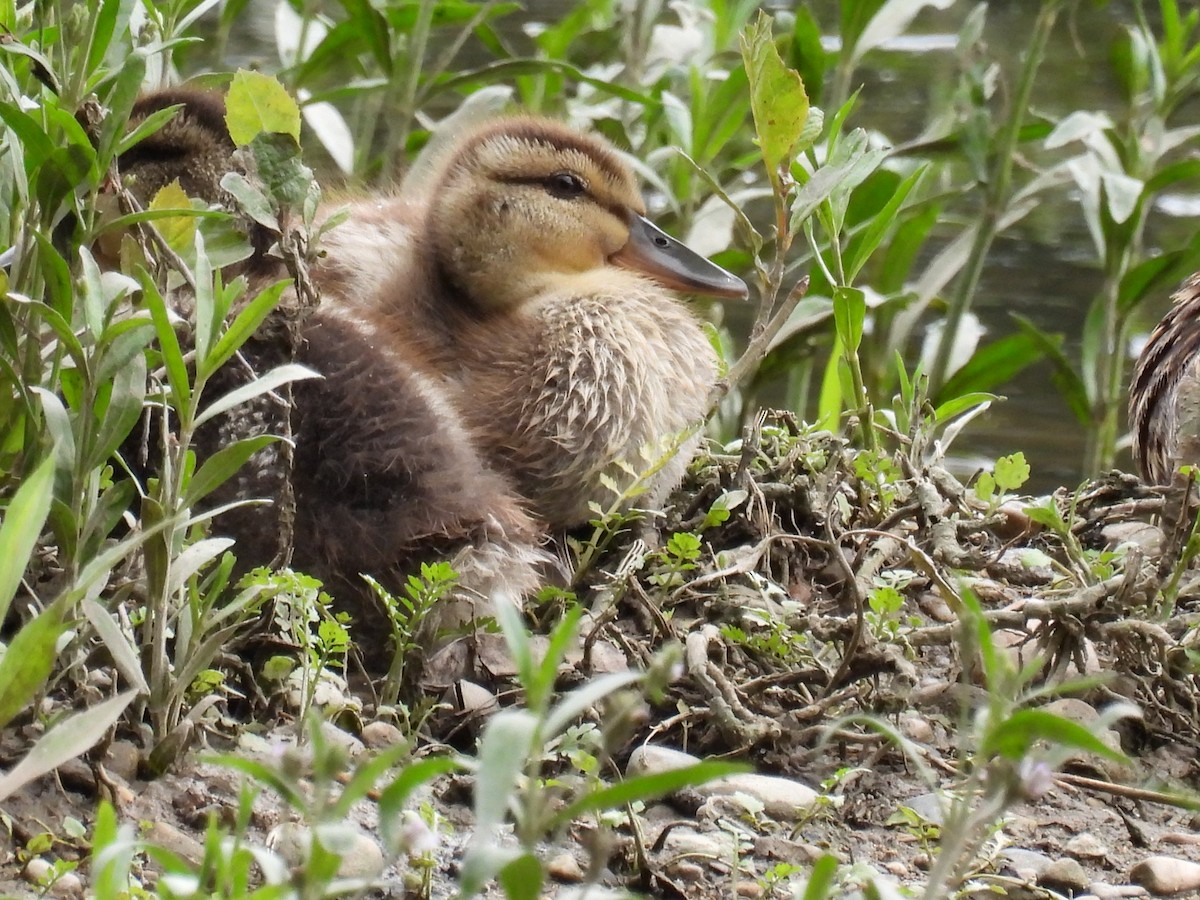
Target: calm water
point(1043, 268)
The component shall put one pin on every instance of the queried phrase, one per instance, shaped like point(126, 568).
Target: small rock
point(751, 889)
point(1014, 521)
point(1028, 864)
point(1102, 891)
point(565, 868)
point(1180, 837)
point(472, 701)
point(170, 837)
point(928, 807)
point(686, 842)
point(810, 853)
point(67, 885)
point(607, 659)
point(1065, 874)
point(122, 760)
point(1086, 846)
point(378, 735)
point(36, 870)
point(896, 869)
point(783, 799)
point(916, 728)
point(651, 759)
point(361, 856)
point(686, 871)
point(1166, 875)
point(1147, 537)
point(338, 737)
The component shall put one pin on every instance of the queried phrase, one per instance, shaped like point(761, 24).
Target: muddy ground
point(826, 637)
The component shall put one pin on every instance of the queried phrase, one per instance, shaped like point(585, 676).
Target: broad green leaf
point(1014, 737)
point(777, 97)
point(27, 662)
point(820, 882)
point(123, 652)
point(124, 408)
point(956, 405)
point(219, 467)
point(191, 560)
point(178, 231)
point(649, 787)
point(1065, 378)
point(69, 738)
point(503, 752)
point(253, 202)
point(277, 377)
point(20, 527)
point(829, 403)
point(580, 700)
point(258, 104)
point(881, 222)
point(168, 341)
point(849, 314)
point(1012, 471)
point(522, 878)
point(993, 365)
point(281, 170)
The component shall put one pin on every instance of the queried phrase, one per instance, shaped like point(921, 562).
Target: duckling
point(194, 146)
point(530, 279)
point(385, 474)
point(1164, 399)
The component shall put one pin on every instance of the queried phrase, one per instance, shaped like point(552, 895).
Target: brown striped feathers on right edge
point(1164, 398)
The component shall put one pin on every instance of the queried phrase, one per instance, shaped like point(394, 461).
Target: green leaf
point(985, 487)
point(522, 878)
point(777, 97)
point(849, 313)
point(648, 787)
point(1065, 378)
point(1016, 735)
point(994, 364)
point(243, 327)
point(277, 377)
point(881, 221)
point(177, 230)
point(20, 528)
point(71, 737)
point(27, 663)
point(1011, 471)
point(121, 414)
point(120, 647)
point(168, 341)
point(583, 698)
point(219, 467)
point(820, 882)
point(503, 752)
point(258, 104)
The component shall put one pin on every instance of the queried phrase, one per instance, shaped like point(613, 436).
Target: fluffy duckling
point(1164, 399)
point(530, 279)
point(193, 147)
point(385, 473)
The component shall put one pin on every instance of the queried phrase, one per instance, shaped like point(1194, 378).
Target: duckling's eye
point(565, 185)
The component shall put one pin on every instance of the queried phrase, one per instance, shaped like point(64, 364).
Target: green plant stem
point(997, 195)
point(418, 42)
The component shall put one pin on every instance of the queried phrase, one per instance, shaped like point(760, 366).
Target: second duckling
point(531, 281)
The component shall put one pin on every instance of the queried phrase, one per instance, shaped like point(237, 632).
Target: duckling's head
point(526, 207)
